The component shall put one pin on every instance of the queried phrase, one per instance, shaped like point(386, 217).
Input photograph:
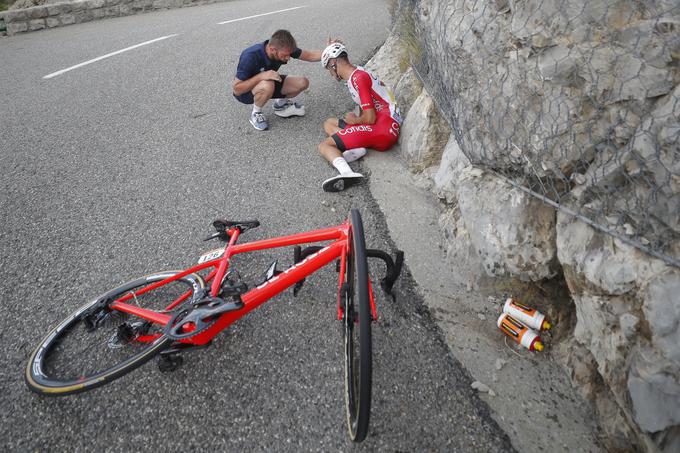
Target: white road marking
point(259, 15)
point(54, 74)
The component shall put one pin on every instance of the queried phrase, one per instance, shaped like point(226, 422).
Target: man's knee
point(264, 87)
point(295, 84)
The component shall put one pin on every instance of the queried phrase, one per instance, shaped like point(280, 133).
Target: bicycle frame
point(337, 249)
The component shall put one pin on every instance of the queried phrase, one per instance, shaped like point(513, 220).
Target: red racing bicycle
point(167, 313)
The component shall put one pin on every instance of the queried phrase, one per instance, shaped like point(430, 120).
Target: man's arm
point(315, 55)
point(244, 86)
point(311, 55)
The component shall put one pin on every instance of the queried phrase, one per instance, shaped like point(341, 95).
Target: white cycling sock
point(354, 154)
point(257, 109)
point(341, 165)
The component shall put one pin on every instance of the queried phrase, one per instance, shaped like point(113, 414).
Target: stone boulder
point(424, 134)
point(628, 317)
point(512, 232)
point(446, 178)
point(407, 90)
point(388, 62)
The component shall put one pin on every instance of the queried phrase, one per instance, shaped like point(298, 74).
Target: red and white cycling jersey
point(369, 92)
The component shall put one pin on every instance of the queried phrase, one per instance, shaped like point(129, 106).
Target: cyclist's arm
point(367, 116)
point(363, 83)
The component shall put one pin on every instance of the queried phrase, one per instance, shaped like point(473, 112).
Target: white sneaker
point(353, 154)
point(341, 182)
point(258, 120)
point(288, 109)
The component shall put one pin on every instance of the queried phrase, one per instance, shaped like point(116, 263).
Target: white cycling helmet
point(332, 51)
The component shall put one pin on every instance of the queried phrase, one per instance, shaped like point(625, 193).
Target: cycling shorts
point(381, 135)
point(248, 98)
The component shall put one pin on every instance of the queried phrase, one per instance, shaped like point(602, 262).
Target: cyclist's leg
point(354, 296)
point(387, 133)
point(96, 344)
point(332, 125)
point(332, 149)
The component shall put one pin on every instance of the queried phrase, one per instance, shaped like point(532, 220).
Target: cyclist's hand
point(330, 41)
point(350, 118)
point(271, 75)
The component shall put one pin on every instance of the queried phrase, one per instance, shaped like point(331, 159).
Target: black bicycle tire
point(358, 420)
point(38, 382)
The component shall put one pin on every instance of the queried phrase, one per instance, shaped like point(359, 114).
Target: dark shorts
point(247, 98)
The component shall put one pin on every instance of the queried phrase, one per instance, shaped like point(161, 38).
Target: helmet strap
point(334, 68)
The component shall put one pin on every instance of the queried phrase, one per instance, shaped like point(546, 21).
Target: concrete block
point(60, 8)
point(37, 12)
point(95, 4)
point(67, 19)
point(98, 13)
point(83, 16)
point(17, 27)
point(79, 6)
point(36, 24)
point(112, 11)
point(15, 16)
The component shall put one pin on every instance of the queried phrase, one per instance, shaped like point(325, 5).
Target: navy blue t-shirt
point(254, 60)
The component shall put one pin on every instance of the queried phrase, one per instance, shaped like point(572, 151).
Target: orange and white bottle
point(519, 332)
point(530, 317)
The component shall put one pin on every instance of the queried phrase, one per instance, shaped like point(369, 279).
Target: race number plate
point(211, 255)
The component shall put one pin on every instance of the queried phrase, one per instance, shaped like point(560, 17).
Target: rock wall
point(67, 13)
point(580, 102)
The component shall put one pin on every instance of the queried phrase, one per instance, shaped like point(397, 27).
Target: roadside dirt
point(529, 393)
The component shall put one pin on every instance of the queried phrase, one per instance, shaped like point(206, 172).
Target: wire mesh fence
point(576, 102)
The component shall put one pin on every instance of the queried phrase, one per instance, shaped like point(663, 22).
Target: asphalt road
point(116, 168)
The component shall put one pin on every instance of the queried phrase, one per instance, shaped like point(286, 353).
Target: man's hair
point(282, 39)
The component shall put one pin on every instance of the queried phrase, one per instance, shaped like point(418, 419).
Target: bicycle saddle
point(222, 226)
point(243, 225)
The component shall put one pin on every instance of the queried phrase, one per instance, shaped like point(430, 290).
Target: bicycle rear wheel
point(357, 333)
point(94, 345)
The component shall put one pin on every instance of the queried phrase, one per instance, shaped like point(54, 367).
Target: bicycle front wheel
point(357, 333)
point(95, 345)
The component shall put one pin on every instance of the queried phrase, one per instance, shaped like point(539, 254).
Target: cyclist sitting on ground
point(258, 81)
point(377, 127)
